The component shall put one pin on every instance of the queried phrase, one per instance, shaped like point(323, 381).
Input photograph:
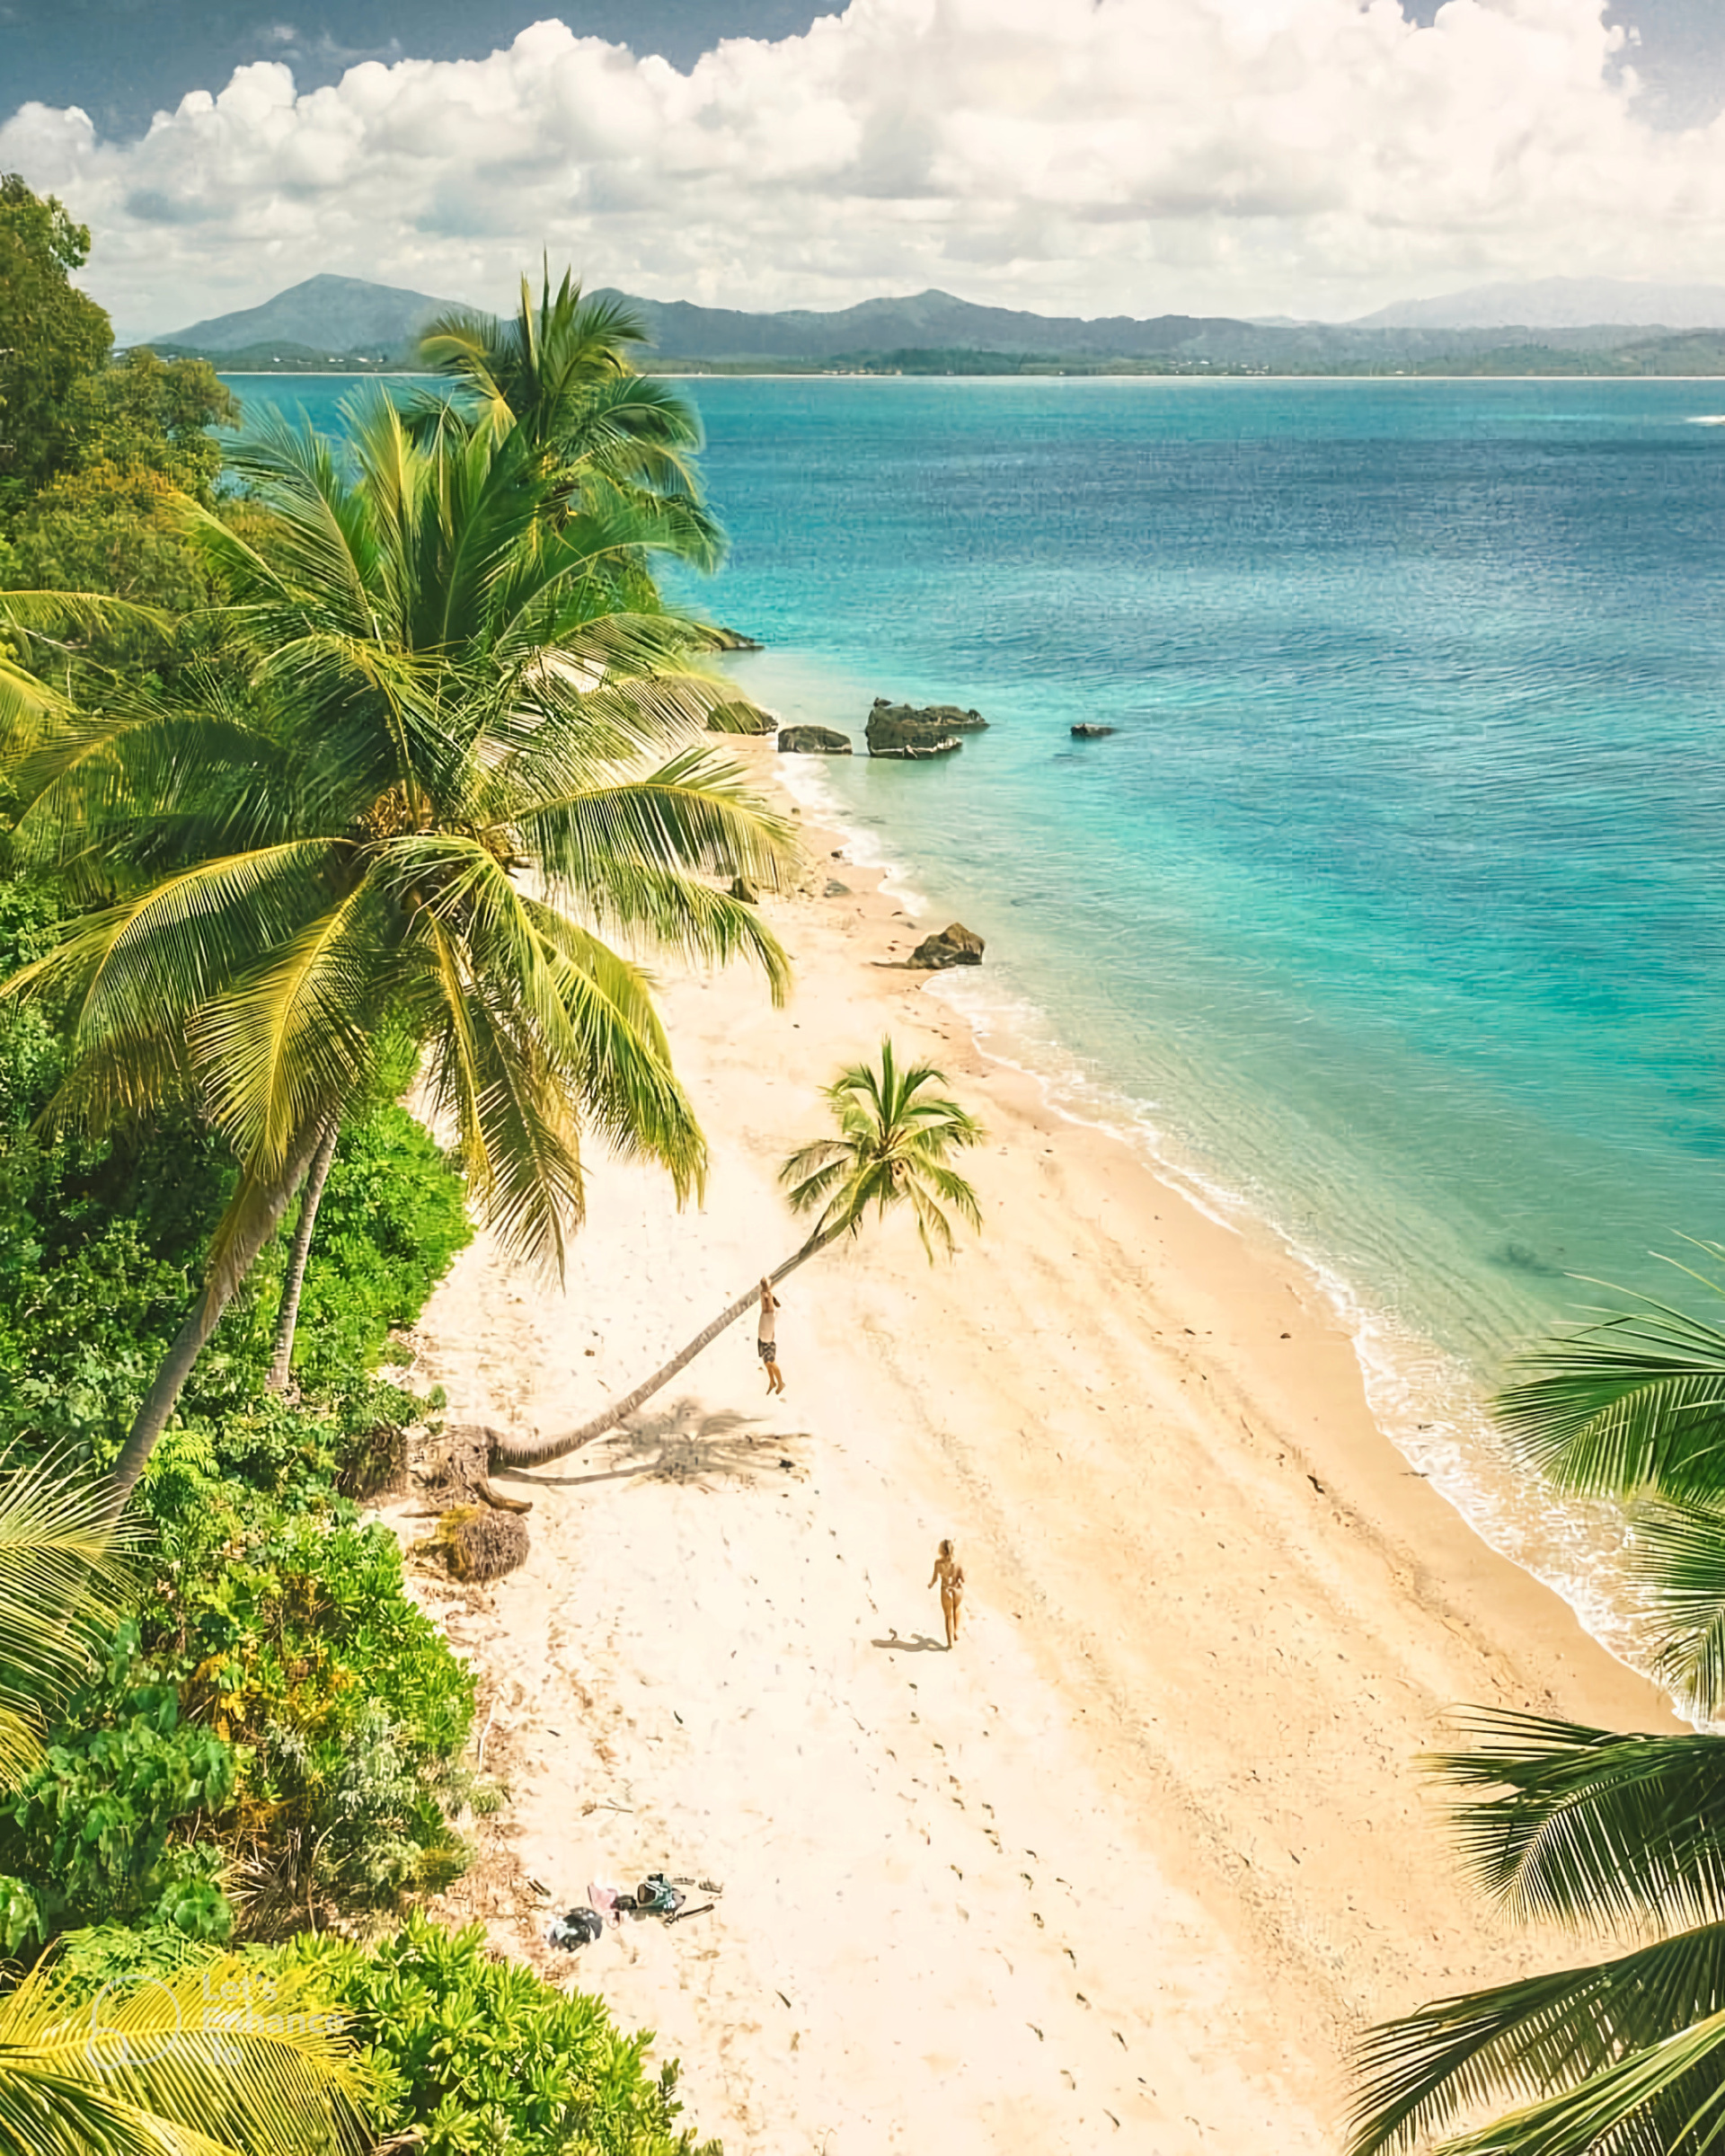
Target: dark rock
point(1090, 732)
point(733, 640)
point(741, 888)
point(893, 727)
point(813, 741)
point(835, 889)
point(912, 751)
point(954, 945)
point(740, 717)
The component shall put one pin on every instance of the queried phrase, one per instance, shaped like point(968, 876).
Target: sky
point(1310, 157)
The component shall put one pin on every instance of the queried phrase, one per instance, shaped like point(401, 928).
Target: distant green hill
point(348, 323)
point(326, 318)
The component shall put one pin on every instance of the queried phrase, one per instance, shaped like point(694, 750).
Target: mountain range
point(1554, 325)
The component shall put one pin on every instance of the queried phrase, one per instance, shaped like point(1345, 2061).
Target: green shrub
point(481, 2056)
point(107, 1827)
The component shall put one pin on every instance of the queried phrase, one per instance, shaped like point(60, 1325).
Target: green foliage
point(104, 1829)
point(135, 440)
point(393, 1215)
point(102, 1244)
point(476, 2056)
point(50, 337)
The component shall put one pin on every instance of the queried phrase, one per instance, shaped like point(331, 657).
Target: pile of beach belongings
point(656, 1896)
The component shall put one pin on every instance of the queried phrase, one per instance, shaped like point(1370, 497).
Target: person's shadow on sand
point(921, 1645)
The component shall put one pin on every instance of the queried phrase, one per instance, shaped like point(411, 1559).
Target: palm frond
point(1555, 2032)
point(1631, 1402)
point(211, 2062)
point(1589, 1826)
point(1677, 1561)
point(63, 1577)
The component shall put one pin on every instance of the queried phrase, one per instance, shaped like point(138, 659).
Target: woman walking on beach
point(768, 1340)
point(950, 1573)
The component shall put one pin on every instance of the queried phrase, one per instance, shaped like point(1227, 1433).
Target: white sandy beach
point(1139, 1856)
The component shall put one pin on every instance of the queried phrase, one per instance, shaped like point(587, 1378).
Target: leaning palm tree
point(197, 2065)
point(455, 790)
point(894, 1144)
point(560, 374)
point(1620, 1833)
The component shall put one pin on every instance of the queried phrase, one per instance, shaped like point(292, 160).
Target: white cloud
point(1093, 155)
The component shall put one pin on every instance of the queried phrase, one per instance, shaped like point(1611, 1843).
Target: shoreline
point(1161, 1808)
point(1444, 1431)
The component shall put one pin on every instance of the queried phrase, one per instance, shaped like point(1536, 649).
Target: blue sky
point(1307, 156)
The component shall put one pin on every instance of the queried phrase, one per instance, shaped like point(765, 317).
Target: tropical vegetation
point(1613, 1833)
point(441, 762)
point(326, 771)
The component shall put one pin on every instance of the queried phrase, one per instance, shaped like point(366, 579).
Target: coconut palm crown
point(454, 793)
point(892, 1147)
point(560, 374)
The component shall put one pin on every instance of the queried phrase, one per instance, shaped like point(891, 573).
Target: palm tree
point(560, 373)
point(198, 2064)
point(895, 1140)
point(454, 776)
point(1590, 1827)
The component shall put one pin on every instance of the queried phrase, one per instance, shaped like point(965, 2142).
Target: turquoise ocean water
point(1393, 913)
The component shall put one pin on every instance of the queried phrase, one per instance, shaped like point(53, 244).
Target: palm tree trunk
point(541, 1452)
point(287, 1314)
point(258, 1220)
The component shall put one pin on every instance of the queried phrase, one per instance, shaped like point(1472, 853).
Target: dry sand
point(1134, 1859)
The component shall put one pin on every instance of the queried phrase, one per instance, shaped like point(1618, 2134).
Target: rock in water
point(740, 716)
point(954, 945)
point(1091, 732)
point(813, 741)
point(895, 726)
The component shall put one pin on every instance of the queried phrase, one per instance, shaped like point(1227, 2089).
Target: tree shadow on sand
point(685, 1444)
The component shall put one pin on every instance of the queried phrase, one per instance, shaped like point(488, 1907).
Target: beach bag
point(579, 1927)
point(656, 1896)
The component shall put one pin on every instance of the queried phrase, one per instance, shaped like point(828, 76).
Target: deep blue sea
point(1395, 911)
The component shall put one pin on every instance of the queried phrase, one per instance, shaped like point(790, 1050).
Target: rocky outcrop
point(740, 716)
point(893, 727)
point(732, 639)
point(1089, 731)
point(913, 750)
point(954, 945)
point(813, 741)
